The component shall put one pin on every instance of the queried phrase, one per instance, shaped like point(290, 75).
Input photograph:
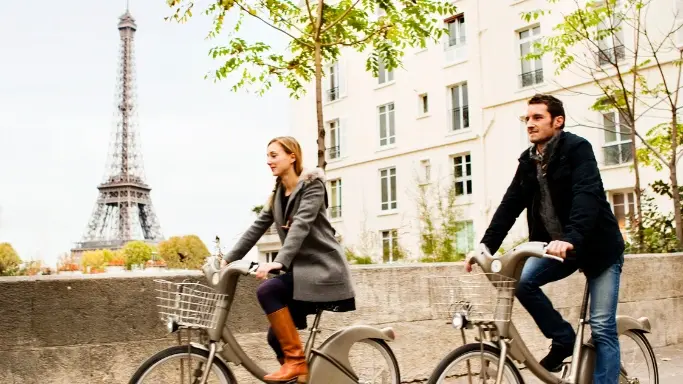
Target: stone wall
point(97, 329)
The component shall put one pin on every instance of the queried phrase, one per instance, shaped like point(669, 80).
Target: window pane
point(392, 124)
point(459, 188)
point(457, 171)
point(468, 169)
point(455, 96)
point(382, 125)
point(393, 188)
point(469, 187)
point(626, 153)
point(611, 154)
point(610, 127)
point(525, 49)
point(385, 191)
point(618, 199)
point(620, 214)
point(464, 95)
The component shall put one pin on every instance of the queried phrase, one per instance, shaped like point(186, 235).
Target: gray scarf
point(548, 216)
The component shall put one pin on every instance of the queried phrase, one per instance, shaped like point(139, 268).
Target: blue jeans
point(604, 295)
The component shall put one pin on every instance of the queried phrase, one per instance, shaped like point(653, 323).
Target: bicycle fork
point(209, 363)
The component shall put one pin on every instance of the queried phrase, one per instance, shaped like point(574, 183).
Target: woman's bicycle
point(485, 301)
point(196, 307)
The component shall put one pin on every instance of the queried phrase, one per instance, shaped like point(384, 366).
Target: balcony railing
point(531, 78)
point(459, 118)
point(334, 152)
point(333, 94)
point(611, 55)
point(336, 211)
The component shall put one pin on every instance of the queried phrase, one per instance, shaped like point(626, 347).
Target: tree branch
point(340, 18)
point(300, 41)
point(361, 41)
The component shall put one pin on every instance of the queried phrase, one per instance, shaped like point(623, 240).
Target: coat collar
point(306, 177)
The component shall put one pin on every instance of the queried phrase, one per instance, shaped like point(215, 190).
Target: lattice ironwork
point(124, 210)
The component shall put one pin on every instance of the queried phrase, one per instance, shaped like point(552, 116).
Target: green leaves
point(353, 24)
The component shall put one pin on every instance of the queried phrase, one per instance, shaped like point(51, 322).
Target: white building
point(451, 116)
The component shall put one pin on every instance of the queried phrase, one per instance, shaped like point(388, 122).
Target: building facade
point(451, 119)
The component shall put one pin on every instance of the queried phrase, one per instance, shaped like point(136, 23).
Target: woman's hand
point(263, 269)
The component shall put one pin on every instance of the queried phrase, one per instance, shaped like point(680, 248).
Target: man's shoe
point(553, 361)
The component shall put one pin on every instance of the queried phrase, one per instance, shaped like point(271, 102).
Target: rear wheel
point(182, 364)
point(638, 361)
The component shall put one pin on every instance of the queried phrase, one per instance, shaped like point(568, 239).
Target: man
point(558, 182)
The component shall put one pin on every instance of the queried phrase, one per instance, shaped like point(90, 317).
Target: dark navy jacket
point(578, 198)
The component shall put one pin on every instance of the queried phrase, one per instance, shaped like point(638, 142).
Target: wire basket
point(188, 303)
point(486, 297)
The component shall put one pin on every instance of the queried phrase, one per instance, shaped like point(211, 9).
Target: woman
point(316, 276)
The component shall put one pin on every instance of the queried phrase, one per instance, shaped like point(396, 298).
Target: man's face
point(539, 125)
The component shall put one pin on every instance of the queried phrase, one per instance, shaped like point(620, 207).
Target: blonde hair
point(291, 147)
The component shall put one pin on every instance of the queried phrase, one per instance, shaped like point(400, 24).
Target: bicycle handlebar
point(507, 262)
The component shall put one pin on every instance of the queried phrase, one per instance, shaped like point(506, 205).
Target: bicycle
point(487, 305)
point(193, 306)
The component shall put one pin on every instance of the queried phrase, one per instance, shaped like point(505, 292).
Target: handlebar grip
point(553, 257)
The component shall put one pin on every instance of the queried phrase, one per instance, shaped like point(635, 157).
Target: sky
point(203, 145)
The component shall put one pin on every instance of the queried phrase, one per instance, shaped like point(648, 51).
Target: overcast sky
point(203, 145)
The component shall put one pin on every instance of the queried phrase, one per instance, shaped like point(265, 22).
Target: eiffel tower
point(123, 211)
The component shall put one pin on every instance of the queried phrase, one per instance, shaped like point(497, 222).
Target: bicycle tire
point(180, 350)
point(473, 348)
point(649, 351)
point(383, 345)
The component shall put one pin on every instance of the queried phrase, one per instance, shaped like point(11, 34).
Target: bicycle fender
point(625, 323)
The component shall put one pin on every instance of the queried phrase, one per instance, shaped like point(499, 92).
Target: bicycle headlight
point(215, 278)
point(171, 325)
point(459, 320)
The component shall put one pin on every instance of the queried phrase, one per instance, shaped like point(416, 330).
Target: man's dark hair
point(555, 106)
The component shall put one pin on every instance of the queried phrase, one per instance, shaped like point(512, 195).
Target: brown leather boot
point(295, 366)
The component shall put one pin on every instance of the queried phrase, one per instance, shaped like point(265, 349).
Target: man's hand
point(468, 261)
point(559, 248)
point(263, 269)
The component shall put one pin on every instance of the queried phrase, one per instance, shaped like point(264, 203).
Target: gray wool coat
point(319, 267)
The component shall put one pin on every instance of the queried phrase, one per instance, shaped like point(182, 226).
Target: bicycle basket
point(486, 297)
point(188, 303)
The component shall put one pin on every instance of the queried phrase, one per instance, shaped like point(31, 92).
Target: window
point(532, 70)
point(459, 114)
point(390, 248)
point(462, 172)
point(334, 134)
point(456, 30)
point(617, 147)
point(332, 82)
point(457, 38)
point(387, 129)
point(270, 256)
point(423, 105)
point(385, 76)
point(623, 204)
point(336, 198)
point(611, 48)
point(425, 171)
point(388, 188)
point(464, 237)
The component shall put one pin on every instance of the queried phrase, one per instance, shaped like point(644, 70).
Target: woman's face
point(278, 160)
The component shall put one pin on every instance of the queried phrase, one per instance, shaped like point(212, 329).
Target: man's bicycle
point(485, 301)
point(205, 309)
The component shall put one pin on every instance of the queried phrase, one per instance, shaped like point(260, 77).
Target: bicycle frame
point(510, 265)
point(329, 363)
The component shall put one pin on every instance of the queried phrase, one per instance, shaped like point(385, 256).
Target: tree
point(184, 252)
point(137, 253)
point(9, 260)
point(317, 34)
point(439, 225)
point(589, 43)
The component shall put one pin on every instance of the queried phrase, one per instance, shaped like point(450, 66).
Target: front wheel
point(471, 371)
point(182, 364)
